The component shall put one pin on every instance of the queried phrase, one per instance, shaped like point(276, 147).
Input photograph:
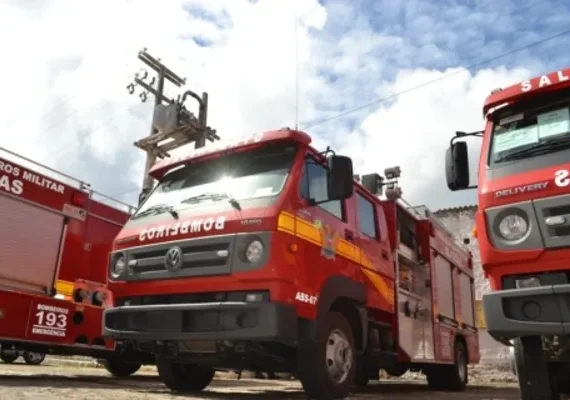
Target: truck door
point(320, 228)
point(375, 253)
point(30, 245)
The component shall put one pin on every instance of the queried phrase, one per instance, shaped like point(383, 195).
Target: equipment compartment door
point(30, 242)
point(415, 310)
point(426, 312)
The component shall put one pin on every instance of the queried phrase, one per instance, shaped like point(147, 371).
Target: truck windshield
point(260, 172)
point(527, 134)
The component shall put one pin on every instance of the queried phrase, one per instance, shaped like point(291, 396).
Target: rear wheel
point(32, 358)
point(450, 377)
point(536, 380)
point(120, 368)
point(327, 367)
point(8, 356)
point(184, 377)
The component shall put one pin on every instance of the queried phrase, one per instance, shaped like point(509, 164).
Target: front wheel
point(8, 356)
point(327, 367)
point(33, 358)
point(120, 368)
point(184, 377)
point(536, 380)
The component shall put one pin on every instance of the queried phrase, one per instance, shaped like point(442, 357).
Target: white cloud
point(414, 129)
point(68, 63)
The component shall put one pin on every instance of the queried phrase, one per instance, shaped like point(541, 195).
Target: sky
point(267, 64)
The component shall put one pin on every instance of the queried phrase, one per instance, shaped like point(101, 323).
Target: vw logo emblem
point(173, 259)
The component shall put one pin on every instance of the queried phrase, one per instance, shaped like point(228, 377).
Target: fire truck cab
point(523, 225)
point(55, 237)
point(265, 254)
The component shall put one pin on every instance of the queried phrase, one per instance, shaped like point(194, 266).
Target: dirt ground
point(66, 381)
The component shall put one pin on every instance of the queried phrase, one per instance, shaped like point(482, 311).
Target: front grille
point(194, 256)
point(555, 236)
point(202, 256)
point(189, 298)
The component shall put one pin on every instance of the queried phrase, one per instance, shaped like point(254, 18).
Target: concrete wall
point(460, 222)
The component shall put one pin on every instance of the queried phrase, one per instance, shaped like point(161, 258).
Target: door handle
point(349, 235)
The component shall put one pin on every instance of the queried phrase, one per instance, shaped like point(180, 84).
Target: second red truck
point(55, 237)
point(266, 254)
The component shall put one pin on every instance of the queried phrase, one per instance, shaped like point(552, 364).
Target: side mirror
point(340, 177)
point(457, 166)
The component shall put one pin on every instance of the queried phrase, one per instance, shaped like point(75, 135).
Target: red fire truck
point(55, 237)
point(265, 254)
point(523, 225)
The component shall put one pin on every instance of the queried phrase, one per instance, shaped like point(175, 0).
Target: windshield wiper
point(541, 148)
point(158, 209)
point(213, 196)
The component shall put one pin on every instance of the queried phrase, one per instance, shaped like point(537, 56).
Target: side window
point(366, 217)
point(314, 184)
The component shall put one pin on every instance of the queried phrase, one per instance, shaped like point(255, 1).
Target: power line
point(477, 64)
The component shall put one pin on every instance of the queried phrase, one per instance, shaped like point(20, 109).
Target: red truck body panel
point(55, 237)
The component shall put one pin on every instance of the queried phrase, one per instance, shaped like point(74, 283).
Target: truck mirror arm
point(461, 134)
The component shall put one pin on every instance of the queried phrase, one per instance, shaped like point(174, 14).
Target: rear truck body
point(264, 254)
point(523, 225)
point(55, 237)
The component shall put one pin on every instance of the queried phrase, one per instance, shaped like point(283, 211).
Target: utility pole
point(171, 119)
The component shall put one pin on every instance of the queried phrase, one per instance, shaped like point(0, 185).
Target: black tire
point(184, 377)
point(119, 368)
point(453, 377)
point(536, 381)
point(313, 369)
point(396, 370)
point(32, 358)
point(8, 356)
point(512, 362)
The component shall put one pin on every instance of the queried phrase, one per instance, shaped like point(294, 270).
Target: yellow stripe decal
point(309, 232)
point(286, 223)
point(64, 287)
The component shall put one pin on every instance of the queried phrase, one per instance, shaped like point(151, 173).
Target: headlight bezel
point(509, 213)
point(258, 253)
point(115, 259)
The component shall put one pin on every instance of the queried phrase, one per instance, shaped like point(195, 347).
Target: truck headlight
point(118, 265)
point(254, 251)
point(513, 227)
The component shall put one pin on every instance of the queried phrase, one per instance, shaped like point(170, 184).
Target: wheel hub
point(338, 356)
